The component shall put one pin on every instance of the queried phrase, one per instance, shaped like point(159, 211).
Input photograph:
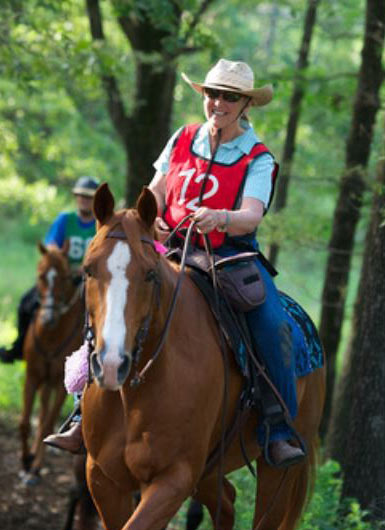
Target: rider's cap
point(85, 186)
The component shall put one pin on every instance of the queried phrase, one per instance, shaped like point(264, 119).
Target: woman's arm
point(158, 188)
point(234, 222)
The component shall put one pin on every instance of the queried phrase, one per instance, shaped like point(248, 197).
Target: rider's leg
point(70, 437)
point(272, 334)
point(27, 307)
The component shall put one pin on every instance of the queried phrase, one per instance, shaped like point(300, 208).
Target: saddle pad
point(307, 344)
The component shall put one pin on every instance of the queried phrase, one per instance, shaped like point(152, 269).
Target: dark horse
point(55, 331)
point(156, 436)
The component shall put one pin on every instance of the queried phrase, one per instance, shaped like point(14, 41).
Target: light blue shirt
point(258, 181)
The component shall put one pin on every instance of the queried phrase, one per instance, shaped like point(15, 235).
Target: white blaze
point(114, 329)
point(49, 299)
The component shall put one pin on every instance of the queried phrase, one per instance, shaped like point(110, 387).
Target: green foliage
point(324, 512)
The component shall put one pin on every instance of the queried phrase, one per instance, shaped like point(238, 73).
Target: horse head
point(54, 282)
point(119, 290)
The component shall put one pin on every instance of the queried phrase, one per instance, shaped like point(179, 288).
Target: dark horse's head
point(54, 283)
point(118, 295)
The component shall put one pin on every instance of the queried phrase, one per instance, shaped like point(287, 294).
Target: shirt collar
point(244, 142)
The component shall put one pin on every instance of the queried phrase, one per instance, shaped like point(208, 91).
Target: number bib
point(79, 238)
point(185, 176)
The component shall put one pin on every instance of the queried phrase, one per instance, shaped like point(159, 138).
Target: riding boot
point(71, 440)
point(282, 454)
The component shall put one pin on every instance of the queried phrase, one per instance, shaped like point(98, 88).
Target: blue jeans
point(271, 332)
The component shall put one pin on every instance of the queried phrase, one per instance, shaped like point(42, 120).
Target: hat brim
point(259, 96)
point(83, 191)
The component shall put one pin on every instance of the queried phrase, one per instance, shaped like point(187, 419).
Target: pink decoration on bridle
point(159, 247)
point(76, 370)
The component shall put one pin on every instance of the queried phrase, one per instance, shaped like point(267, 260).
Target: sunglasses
point(230, 97)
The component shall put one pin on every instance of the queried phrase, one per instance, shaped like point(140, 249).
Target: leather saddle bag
point(238, 276)
point(240, 280)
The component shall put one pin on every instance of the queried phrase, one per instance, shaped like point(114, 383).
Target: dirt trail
point(41, 507)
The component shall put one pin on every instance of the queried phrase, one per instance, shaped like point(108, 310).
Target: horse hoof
point(27, 462)
point(31, 479)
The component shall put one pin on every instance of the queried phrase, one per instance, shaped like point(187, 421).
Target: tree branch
point(203, 7)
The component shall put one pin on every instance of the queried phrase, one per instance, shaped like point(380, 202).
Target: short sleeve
point(258, 183)
point(56, 232)
point(162, 162)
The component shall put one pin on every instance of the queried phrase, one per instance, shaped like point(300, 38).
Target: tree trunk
point(150, 125)
point(351, 190)
point(363, 445)
point(281, 192)
point(146, 130)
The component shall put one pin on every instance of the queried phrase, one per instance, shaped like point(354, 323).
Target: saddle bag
point(238, 276)
point(240, 280)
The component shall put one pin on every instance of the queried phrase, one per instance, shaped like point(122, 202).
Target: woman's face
point(220, 112)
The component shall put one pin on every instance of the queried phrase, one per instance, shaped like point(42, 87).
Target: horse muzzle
point(110, 371)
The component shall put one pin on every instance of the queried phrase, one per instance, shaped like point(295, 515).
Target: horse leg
point(81, 512)
point(194, 515)
point(208, 495)
point(161, 499)
point(29, 393)
point(49, 412)
point(52, 414)
point(37, 446)
point(117, 504)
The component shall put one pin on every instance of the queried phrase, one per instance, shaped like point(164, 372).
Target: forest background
point(70, 106)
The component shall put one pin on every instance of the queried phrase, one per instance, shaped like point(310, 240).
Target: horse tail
point(303, 482)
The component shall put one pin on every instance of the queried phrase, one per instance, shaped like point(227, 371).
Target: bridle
point(152, 275)
point(61, 306)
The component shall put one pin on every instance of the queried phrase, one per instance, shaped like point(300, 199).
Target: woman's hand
point(162, 229)
point(207, 219)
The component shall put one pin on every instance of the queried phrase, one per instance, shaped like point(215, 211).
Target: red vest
point(184, 179)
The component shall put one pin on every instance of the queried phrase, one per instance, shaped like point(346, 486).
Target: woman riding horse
point(160, 399)
point(224, 175)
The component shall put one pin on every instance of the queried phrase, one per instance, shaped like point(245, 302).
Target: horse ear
point(42, 248)
point(147, 207)
point(104, 203)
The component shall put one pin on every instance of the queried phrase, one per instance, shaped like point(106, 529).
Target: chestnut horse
point(156, 436)
point(55, 331)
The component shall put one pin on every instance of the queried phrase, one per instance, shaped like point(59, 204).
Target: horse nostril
point(95, 366)
point(124, 369)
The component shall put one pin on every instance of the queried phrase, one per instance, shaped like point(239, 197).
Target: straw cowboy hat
point(234, 77)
